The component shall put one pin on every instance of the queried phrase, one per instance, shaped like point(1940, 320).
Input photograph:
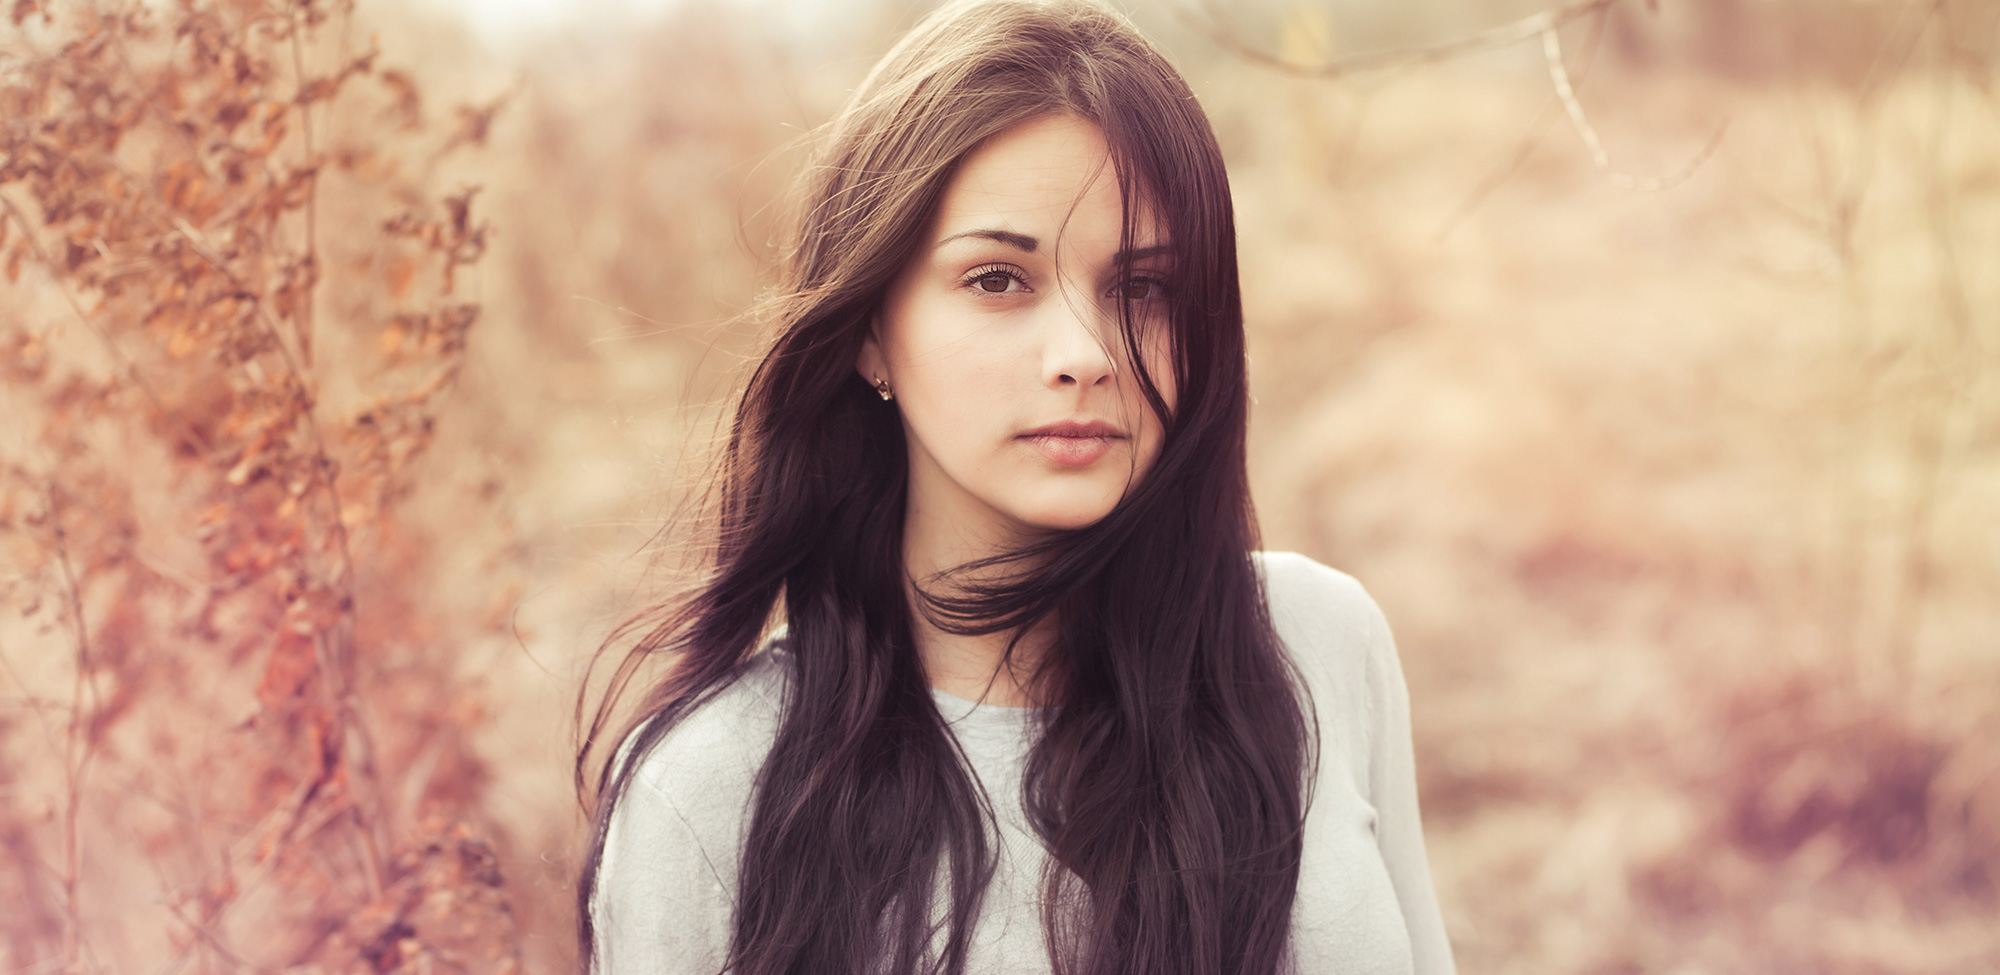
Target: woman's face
point(1000, 339)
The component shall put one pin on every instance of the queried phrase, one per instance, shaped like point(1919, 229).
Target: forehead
point(1049, 178)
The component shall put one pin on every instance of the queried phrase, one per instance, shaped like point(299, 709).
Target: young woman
point(984, 675)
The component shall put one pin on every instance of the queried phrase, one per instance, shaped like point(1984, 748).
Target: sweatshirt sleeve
point(1392, 784)
point(665, 902)
point(660, 907)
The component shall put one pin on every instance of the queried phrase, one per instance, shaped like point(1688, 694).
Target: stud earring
point(882, 389)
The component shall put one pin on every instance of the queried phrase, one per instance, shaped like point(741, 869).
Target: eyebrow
point(1023, 242)
point(1008, 237)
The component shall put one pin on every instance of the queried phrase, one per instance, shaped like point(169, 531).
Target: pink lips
point(1074, 443)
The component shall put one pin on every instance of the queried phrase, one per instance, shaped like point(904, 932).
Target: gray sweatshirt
point(1365, 903)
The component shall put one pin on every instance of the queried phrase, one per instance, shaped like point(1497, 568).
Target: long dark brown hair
point(1171, 782)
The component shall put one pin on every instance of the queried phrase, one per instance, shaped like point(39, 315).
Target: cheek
point(1159, 361)
point(957, 383)
point(953, 404)
point(1155, 346)
point(1157, 350)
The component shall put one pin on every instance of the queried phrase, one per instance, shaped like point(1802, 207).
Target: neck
point(974, 667)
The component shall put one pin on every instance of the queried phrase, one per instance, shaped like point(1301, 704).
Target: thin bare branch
point(1210, 21)
point(304, 320)
point(1566, 93)
point(81, 744)
point(1536, 129)
point(207, 935)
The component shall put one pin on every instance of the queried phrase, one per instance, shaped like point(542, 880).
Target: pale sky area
point(506, 23)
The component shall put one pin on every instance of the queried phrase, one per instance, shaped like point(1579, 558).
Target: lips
point(1074, 443)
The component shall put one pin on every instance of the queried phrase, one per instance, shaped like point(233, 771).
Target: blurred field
point(1683, 504)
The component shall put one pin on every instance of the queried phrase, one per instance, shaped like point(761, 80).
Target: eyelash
point(989, 270)
point(971, 279)
point(1156, 282)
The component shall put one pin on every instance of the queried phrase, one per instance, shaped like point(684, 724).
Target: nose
point(1074, 352)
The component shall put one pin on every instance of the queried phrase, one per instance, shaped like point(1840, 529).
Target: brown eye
point(1140, 289)
point(995, 282)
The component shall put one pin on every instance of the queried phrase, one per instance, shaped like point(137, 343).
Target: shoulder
point(1365, 795)
point(1339, 640)
point(1301, 584)
point(699, 778)
point(1323, 616)
point(722, 742)
point(667, 874)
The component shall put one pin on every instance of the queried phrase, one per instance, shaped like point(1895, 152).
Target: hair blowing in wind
point(1169, 780)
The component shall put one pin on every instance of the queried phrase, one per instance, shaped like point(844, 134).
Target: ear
point(871, 363)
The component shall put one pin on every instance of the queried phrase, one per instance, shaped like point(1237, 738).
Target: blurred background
point(1662, 422)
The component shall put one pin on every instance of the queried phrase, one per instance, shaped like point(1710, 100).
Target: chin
point(1064, 514)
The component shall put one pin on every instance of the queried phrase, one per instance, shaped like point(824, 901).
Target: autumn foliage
point(316, 494)
point(231, 312)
